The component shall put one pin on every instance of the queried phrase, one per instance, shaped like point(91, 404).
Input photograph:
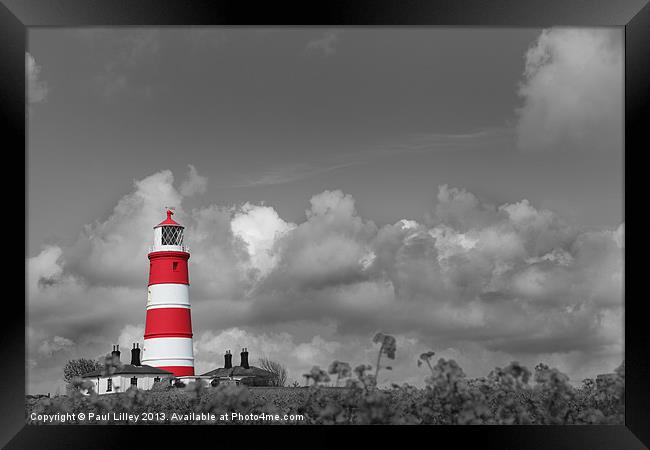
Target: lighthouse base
point(174, 354)
point(179, 371)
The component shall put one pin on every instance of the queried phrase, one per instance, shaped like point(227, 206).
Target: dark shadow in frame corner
point(637, 331)
point(17, 15)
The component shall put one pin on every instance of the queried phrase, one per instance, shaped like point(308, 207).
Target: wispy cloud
point(130, 49)
point(413, 144)
point(37, 89)
point(430, 142)
point(292, 172)
point(325, 44)
point(209, 37)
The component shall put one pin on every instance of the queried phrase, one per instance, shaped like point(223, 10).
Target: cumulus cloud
point(260, 227)
point(37, 89)
point(221, 268)
point(489, 281)
point(194, 184)
point(128, 336)
point(57, 343)
point(461, 209)
point(111, 252)
point(573, 91)
point(44, 269)
point(512, 276)
point(327, 249)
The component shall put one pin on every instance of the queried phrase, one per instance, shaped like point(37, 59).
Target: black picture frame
point(17, 15)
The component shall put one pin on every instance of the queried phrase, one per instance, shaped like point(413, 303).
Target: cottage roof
point(130, 369)
point(239, 371)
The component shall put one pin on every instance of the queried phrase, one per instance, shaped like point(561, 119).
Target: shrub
point(509, 395)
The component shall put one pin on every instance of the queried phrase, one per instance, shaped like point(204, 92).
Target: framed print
point(326, 217)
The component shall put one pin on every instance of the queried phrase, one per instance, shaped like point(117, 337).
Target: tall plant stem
point(378, 359)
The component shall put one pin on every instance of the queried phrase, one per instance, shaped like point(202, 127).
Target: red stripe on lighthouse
point(168, 322)
point(168, 267)
point(179, 371)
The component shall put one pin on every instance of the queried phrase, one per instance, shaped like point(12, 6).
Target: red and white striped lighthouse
point(168, 328)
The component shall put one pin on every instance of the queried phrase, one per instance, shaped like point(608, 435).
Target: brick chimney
point(244, 358)
point(135, 355)
point(116, 352)
point(227, 360)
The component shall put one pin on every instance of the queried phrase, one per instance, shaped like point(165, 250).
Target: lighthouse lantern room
point(168, 327)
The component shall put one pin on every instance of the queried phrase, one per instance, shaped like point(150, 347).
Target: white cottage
point(127, 375)
point(244, 373)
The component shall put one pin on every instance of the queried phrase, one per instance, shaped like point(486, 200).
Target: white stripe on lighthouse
point(168, 362)
point(168, 295)
point(168, 351)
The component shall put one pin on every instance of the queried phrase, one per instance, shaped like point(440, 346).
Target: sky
point(458, 188)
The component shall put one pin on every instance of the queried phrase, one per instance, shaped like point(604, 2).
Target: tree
point(278, 370)
point(77, 367)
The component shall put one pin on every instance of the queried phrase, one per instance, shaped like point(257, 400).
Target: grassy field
point(439, 403)
point(508, 395)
